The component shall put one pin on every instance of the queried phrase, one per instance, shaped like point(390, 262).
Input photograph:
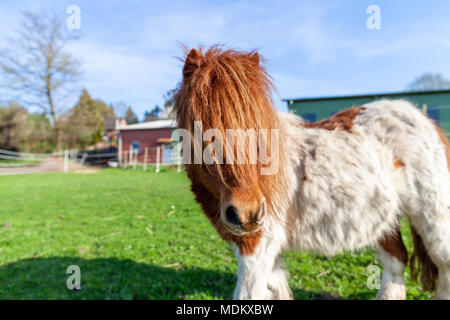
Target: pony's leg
point(437, 244)
point(443, 283)
point(433, 227)
point(278, 283)
point(393, 256)
point(254, 272)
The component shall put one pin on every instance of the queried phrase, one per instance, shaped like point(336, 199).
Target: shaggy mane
point(226, 89)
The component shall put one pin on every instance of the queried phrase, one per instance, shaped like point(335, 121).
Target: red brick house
point(147, 135)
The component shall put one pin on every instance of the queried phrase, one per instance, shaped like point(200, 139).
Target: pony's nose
point(232, 216)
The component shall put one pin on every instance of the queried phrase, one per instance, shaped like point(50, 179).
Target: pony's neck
point(282, 186)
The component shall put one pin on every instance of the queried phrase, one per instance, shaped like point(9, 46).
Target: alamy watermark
point(73, 22)
point(373, 22)
point(74, 280)
point(241, 147)
point(373, 277)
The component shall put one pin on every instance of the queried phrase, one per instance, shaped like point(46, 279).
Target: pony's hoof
point(392, 291)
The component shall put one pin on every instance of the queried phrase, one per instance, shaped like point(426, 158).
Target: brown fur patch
point(393, 244)
point(248, 242)
point(342, 120)
point(446, 144)
point(398, 163)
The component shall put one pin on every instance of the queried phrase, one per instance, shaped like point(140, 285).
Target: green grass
point(137, 235)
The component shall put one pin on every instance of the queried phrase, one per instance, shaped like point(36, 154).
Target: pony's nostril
point(232, 215)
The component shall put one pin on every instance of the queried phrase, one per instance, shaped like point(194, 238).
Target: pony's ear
point(255, 58)
point(191, 63)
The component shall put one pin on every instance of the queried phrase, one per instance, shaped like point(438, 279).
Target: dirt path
point(47, 165)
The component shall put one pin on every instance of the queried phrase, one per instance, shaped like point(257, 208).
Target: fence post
point(136, 155)
point(120, 151)
point(130, 156)
point(178, 162)
point(145, 159)
point(66, 161)
point(157, 159)
point(83, 158)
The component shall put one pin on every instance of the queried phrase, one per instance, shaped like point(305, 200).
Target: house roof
point(373, 95)
point(157, 124)
point(111, 123)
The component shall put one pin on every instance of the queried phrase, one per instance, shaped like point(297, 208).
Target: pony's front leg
point(278, 283)
point(254, 272)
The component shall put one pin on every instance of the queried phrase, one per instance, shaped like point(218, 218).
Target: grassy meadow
point(138, 235)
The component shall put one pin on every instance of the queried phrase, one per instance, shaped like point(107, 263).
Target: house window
point(309, 117)
point(136, 145)
point(434, 114)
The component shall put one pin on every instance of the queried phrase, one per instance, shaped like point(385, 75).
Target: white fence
point(73, 159)
point(44, 162)
point(150, 156)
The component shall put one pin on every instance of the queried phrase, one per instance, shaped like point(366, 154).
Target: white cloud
point(163, 32)
point(124, 74)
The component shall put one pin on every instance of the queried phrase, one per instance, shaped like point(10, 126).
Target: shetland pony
point(342, 183)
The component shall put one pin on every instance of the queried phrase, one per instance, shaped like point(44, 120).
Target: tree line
point(80, 127)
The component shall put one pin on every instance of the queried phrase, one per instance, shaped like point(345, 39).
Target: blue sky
point(312, 48)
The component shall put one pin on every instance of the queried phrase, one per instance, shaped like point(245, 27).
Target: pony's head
point(229, 89)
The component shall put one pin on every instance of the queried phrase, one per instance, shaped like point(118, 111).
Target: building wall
point(438, 105)
point(148, 138)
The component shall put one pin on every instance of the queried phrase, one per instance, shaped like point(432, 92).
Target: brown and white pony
point(342, 183)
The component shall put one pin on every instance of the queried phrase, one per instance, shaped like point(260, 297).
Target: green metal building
point(436, 103)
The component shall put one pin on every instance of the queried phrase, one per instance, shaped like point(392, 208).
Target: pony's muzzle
point(243, 222)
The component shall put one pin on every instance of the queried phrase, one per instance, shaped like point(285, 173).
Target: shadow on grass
point(111, 278)
point(301, 294)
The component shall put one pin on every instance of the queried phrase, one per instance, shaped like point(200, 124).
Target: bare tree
point(38, 69)
point(120, 108)
point(429, 81)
